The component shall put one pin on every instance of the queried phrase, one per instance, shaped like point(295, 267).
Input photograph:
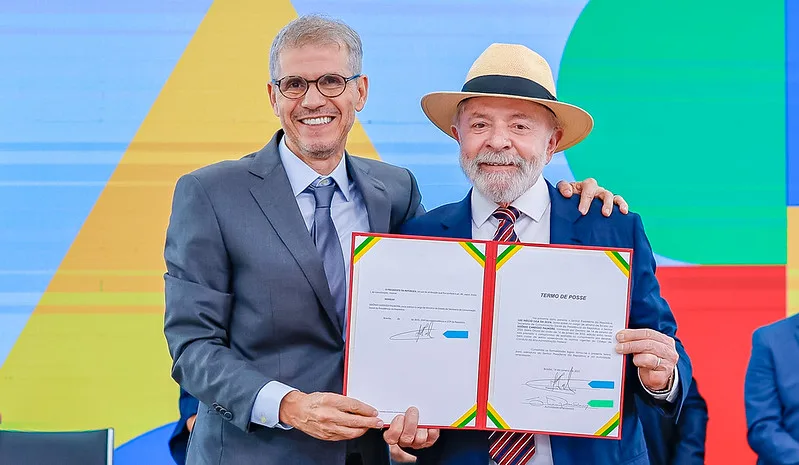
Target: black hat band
point(507, 85)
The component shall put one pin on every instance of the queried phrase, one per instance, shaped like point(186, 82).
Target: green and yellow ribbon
point(609, 426)
point(619, 261)
point(364, 247)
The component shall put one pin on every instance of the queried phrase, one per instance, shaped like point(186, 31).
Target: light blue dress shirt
point(349, 215)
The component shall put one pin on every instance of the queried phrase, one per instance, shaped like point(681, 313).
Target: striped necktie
point(507, 217)
point(509, 448)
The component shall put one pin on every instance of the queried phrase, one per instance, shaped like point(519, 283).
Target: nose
point(498, 139)
point(313, 98)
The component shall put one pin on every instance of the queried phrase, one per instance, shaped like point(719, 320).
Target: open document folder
point(488, 335)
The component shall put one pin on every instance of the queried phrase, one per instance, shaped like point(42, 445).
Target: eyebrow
point(523, 116)
point(476, 114)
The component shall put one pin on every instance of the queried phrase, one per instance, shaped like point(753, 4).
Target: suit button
point(227, 415)
point(214, 405)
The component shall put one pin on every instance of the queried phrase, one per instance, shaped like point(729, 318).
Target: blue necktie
point(326, 239)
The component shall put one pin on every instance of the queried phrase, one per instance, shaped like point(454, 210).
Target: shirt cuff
point(266, 410)
point(670, 396)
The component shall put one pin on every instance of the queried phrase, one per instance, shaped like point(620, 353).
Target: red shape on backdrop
point(717, 309)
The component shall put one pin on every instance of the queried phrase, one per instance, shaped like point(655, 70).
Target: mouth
point(490, 165)
point(317, 121)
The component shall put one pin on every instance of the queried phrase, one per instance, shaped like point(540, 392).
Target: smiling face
point(505, 144)
point(316, 126)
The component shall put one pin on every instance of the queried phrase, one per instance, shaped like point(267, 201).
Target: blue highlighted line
point(453, 334)
point(602, 384)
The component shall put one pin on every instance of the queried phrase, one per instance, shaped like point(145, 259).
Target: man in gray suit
point(257, 255)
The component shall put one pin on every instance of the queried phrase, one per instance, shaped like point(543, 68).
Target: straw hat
point(510, 71)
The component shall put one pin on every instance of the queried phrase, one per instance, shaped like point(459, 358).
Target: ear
point(454, 128)
point(553, 142)
point(363, 92)
point(270, 88)
point(454, 131)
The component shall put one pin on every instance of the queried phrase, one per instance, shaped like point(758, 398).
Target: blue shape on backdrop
point(150, 448)
point(78, 79)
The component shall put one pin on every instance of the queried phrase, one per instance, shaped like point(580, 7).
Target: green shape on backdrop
point(689, 107)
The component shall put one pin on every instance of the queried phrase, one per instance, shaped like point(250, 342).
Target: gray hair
point(316, 30)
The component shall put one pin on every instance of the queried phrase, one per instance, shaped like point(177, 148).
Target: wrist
point(288, 407)
point(190, 422)
point(665, 388)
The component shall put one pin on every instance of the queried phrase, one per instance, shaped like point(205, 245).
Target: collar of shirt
point(301, 175)
point(533, 203)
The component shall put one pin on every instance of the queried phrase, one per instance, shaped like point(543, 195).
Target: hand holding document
point(488, 336)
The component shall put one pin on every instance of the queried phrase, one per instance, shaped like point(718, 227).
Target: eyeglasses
point(329, 85)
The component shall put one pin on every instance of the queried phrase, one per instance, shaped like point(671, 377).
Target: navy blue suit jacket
point(179, 440)
point(647, 310)
point(680, 443)
point(771, 392)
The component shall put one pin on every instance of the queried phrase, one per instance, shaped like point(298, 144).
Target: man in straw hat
point(257, 253)
point(508, 124)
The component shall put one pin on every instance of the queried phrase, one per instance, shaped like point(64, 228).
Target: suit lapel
point(458, 222)
point(273, 193)
point(374, 195)
point(562, 217)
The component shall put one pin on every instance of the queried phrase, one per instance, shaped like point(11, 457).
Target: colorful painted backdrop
point(104, 104)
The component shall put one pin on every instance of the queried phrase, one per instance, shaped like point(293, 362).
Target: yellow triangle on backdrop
point(93, 354)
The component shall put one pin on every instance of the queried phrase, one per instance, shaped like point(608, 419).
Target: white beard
point(502, 188)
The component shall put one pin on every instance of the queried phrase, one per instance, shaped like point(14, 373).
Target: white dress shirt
point(532, 226)
point(349, 215)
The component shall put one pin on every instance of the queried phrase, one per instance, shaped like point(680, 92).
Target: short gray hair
point(316, 30)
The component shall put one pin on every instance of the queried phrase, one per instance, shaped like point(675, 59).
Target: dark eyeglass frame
point(316, 82)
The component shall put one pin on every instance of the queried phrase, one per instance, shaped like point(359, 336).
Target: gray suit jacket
point(247, 302)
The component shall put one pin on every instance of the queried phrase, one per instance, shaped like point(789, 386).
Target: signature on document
point(423, 332)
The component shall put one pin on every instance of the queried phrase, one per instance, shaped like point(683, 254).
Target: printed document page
point(414, 328)
point(556, 314)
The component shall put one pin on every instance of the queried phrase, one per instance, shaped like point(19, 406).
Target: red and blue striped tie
point(508, 448)
point(507, 217)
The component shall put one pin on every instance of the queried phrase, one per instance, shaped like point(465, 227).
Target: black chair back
point(62, 448)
